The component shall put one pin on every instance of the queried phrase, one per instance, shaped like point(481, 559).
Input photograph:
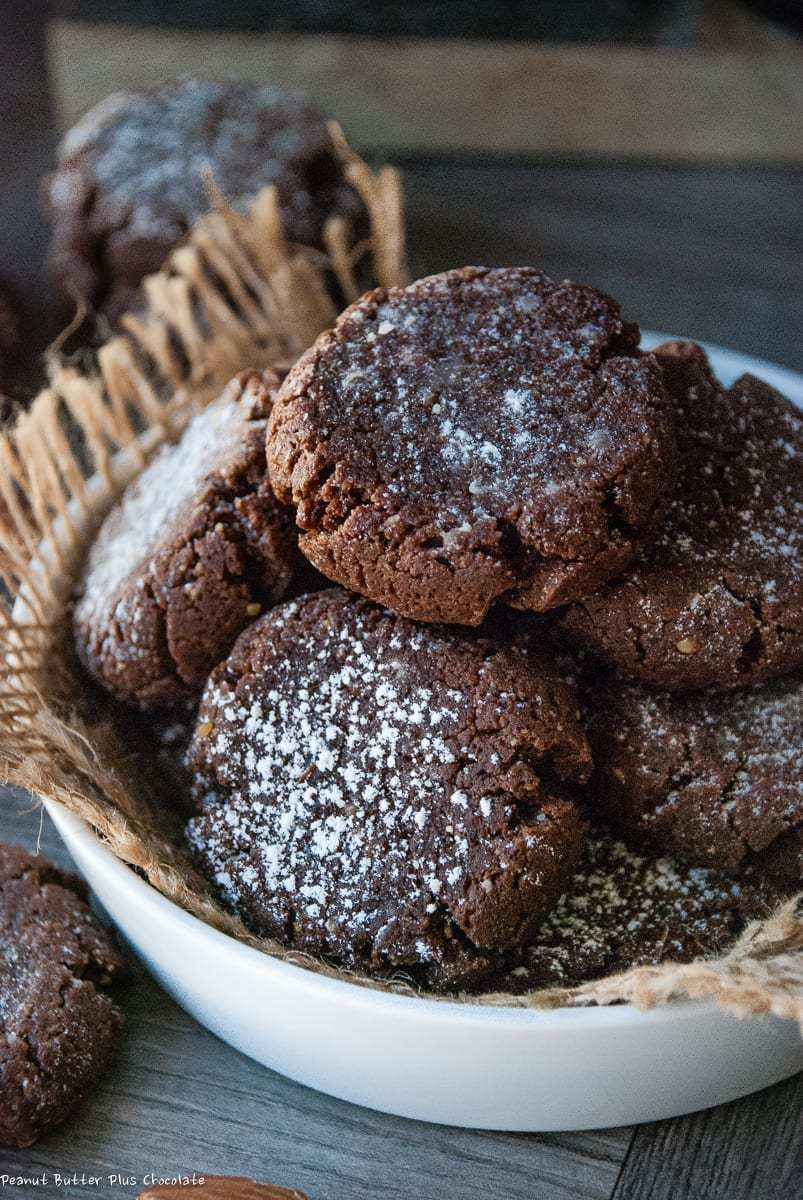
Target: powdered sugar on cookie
point(195, 547)
point(362, 777)
point(504, 421)
point(716, 598)
point(707, 776)
point(625, 909)
point(142, 520)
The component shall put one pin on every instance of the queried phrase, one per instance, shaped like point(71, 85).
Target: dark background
point(668, 22)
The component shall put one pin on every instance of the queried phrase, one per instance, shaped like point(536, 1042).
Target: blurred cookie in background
point(132, 178)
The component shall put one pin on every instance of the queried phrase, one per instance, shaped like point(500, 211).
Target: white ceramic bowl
point(489, 1068)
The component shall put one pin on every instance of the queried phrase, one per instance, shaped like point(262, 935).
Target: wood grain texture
point(180, 1100)
point(746, 1149)
point(651, 22)
point(409, 94)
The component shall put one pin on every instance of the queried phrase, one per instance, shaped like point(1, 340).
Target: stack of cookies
point(548, 723)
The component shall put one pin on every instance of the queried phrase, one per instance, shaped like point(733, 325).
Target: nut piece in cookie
point(707, 777)
point(716, 598)
point(57, 1027)
point(393, 795)
point(479, 435)
point(197, 545)
point(130, 181)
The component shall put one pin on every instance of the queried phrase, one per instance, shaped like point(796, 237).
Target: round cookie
point(197, 545)
point(392, 795)
point(708, 777)
point(130, 178)
point(480, 435)
point(625, 909)
point(57, 1028)
point(716, 598)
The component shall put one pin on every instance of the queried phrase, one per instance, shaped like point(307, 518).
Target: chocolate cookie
point(480, 435)
point(706, 777)
point(716, 599)
point(392, 795)
point(130, 178)
point(625, 909)
point(57, 1028)
point(197, 545)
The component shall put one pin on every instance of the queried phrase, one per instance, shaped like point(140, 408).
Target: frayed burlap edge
point(235, 295)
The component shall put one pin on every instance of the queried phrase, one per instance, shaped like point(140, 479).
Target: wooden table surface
point(713, 253)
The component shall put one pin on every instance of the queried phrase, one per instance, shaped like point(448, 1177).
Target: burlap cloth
point(234, 296)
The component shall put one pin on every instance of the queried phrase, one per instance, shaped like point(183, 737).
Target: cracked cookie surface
point(395, 796)
point(716, 598)
point(624, 909)
point(130, 181)
point(710, 777)
point(57, 1027)
point(196, 546)
point(479, 435)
